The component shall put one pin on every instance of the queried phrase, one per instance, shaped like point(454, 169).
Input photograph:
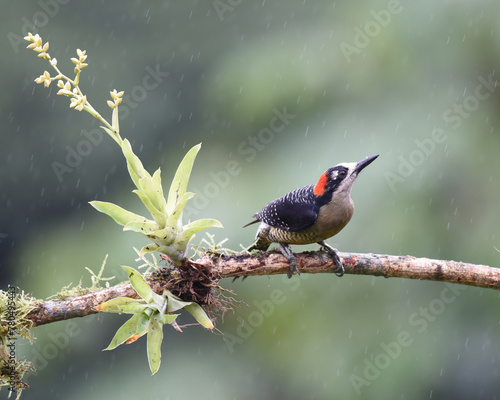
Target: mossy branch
point(212, 267)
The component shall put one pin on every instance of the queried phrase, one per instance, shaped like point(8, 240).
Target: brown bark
point(215, 267)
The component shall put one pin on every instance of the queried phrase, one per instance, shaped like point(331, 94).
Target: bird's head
point(341, 177)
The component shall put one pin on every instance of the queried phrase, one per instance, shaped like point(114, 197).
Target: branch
point(213, 267)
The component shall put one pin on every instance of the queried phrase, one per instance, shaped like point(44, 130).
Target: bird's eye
point(342, 173)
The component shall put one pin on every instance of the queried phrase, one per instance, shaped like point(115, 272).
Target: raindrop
point(307, 130)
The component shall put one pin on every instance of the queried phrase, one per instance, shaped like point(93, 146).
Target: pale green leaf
point(134, 164)
point(199, 225)
point(155, 337)
point(159, 303)
point(181, 178)
point(126, 331)
point(150, 248)
point(146, 228)
point(107, 130)
point(166, 318)
point(120, 215)
point(200, 315)
point(115, 121)
point(165, 236)
point(189, 230)
point(176, 214)
point(159, 217)
point(139, 284)
point(174, 303)
point(113, 135)
point(160, 201)
point(174, 254)
point(114, 305)
point(134, 308)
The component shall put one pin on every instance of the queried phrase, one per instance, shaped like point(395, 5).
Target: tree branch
point(213, 267)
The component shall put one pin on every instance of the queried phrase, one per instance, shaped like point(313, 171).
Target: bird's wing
point(293, 212)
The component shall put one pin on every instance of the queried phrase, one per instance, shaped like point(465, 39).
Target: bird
point(310, 214)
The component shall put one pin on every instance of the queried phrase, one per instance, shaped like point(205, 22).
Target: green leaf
point(114, 305)
point(139, 284)
point(176, 214)
point(175, 255)
point(146, 228)
point(159, 303)
point(115, 121)
point(160, 201)
point(165, 236)
point(107, 130)
point(134, 164)
point(166, 318)
point(120, 215)
point(181, 178)
point(174, 303)
point(127, 330)
point(155, 337)
point(151, 248)
point(157, 215)
point(134, 308)
point(200, 315)
point(189, 230)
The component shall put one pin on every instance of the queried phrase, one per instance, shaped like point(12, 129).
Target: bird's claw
point(293, 266)
point(332, 252)
point(340, 269)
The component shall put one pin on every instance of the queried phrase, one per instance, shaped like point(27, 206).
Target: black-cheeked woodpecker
point(310, 214)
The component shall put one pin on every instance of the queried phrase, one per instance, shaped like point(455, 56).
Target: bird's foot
point(333, 252)
point(293, 266)
point(285, 250)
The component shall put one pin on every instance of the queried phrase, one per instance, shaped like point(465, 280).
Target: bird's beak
point(364, 163)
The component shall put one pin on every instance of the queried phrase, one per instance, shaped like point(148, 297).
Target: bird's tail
point(251, 223)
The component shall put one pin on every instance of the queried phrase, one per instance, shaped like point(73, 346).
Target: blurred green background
point(355, 79)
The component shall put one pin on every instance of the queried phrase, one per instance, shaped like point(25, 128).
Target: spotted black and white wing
point(293, 212)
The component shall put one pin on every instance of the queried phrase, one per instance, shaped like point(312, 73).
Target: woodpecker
point(310, 214)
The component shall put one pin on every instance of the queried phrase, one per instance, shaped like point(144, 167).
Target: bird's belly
point(309, 235)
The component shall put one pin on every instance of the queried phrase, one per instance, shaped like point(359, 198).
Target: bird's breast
point(332, 218)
